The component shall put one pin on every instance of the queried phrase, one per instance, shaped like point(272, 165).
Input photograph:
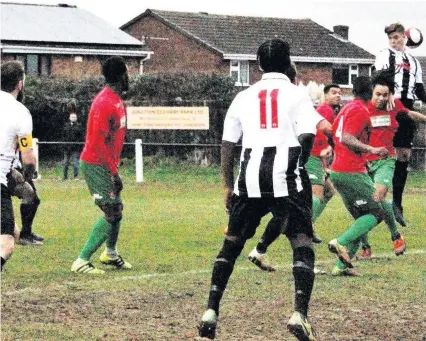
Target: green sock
point(97, 237)
point(317, 207)
point(389, 218)
point(111, 241)
point(364, 240)
point(359, 227)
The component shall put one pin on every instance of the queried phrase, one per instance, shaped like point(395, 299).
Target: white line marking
point(191, 272)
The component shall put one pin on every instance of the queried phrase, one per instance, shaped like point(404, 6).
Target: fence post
point(139, 160)
point(36, 153)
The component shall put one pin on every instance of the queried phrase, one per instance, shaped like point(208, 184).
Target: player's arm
point(25, 145)
point(416, 116)
point(232, 131)
point(357, 146)
point(419, 88)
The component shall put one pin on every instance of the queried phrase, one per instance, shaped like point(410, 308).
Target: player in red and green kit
point(381, 170)
point(106, 129)
point(322, 188)
point(349, 174)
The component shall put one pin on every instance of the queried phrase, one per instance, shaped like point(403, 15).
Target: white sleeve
point(307, 117)
point(382, 60)
point(25, 125)
point(419, 73)
point(232, 128)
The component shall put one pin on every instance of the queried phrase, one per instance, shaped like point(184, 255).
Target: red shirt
point(321, 141)
point(106, 128)
point(384, 127)
point(353, 119)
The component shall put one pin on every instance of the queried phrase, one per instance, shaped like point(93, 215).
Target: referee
point(408, 87)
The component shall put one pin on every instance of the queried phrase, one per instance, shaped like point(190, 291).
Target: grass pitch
point(171, 232)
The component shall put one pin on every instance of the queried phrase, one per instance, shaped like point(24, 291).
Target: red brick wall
point(64, 66)
point(175, 52)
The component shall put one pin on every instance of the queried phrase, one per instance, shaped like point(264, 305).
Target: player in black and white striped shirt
point(277, 122)
point(408, 86)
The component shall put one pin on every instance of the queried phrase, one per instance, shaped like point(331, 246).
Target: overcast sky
point(366, 19)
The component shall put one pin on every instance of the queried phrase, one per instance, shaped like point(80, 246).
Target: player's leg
point(76, 162)
point(403, 143)
point(110, 256)
point(300, 233)
point(7, 238)
point(340, 268)
point(100, 186)
point(67, 156)
point(357, 192)
point(239, 230)
point(30, 201)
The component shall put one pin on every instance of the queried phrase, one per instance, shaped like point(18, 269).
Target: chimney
point(342, 30)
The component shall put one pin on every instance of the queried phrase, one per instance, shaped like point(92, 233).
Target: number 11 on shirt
point(263, 95)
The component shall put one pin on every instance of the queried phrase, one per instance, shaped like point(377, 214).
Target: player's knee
point(113, 213)
point(28, 195)
point(304, 259)
point(379, 214)
point(231, 249)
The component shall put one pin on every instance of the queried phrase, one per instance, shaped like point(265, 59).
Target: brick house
point(64, 41)
point(209, 43)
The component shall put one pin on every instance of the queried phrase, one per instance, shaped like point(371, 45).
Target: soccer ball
point(414, 37)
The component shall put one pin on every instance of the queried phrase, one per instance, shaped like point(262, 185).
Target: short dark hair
point(71, 107)
point(385, 78)
point(362, 87)
point(274, 56)
point(12, 73)
point(329, 86)
point(113, 68)
point(394, 27)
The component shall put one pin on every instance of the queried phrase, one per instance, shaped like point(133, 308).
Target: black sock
point(398, 181)
point(3, 262)
point(28, 212)
point(222, 270)
point(272, 232)
point(303, 272)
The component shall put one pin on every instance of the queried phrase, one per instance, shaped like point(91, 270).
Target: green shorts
point(315, 170)
point(356, 190)
point(98, 180)
point(381, 171)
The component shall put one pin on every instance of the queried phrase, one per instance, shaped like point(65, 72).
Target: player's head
point(274, 56)
point(114, 70)
point(362, 88)
point(332, 94)
point(383, 85)
point(291, 73)
point(396, 36)
point(12, 79)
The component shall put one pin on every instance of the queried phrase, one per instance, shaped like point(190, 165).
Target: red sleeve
point(399, 106)
point(327, 112)
point(354, 122)
point(104, 115)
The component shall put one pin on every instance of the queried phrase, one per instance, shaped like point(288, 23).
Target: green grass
point(171, 232)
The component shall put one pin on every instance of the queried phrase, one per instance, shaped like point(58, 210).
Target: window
point(239, 71)
point(35, 65)
point(344, 74)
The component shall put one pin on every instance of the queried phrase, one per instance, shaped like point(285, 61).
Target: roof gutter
point(304, 59)
point(73, 51)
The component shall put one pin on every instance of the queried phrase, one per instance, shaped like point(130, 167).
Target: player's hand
point(229, 192)
point(117, 184)
point(391, 103)
point(325, 153)
point(380, 151)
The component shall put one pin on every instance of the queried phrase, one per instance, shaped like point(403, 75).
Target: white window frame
point(237, 68)
point(351, 72)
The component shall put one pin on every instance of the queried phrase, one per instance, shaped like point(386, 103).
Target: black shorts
point(7, 216)
point(246, 213)
point(405, 133)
